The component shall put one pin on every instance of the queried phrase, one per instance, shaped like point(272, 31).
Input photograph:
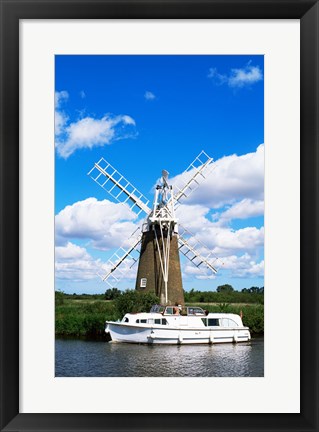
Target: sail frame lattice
point(193, 176)
point(189, 246)
point(113, 182)
point(113, 273)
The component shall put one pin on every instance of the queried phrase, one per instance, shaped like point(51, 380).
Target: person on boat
point(177, 309)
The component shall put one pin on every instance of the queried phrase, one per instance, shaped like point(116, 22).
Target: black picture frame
point(11, 12)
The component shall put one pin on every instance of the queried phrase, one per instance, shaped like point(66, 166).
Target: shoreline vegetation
point(84, 315)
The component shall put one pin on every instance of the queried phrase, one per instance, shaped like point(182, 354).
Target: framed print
point(260, 57)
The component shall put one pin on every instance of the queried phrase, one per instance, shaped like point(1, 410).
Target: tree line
point(223, 293)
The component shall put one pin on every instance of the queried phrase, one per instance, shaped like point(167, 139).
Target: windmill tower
point(157, 244)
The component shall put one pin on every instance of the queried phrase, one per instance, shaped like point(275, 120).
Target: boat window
point(204, 321)
point(126, 319)
point(169, 311)
point(157, 320)
point(227, 322)
point(157, 309)
point(137, 321)
point(143, 283)
point(195, 311)
point(213, 321)
point(164, 322)
point(143, 321)
point(150, 321)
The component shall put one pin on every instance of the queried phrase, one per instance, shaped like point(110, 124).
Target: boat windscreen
point(157, 309)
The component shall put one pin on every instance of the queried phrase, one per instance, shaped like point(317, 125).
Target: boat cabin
point(175, 315)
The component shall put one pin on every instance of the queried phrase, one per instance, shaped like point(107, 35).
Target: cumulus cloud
point(87, 132)
point(149, 95)
point(201, 272)
point(244, 266)
point(60, 97)
point(219, 243)
point(232, 178)
point(73, 262)
point(241, 266)
point(223, 240)
point(244, 209)
point(105, 224)
point(237, 78)
point(192, 217)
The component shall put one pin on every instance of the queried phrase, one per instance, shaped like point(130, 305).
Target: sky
point(144, 114)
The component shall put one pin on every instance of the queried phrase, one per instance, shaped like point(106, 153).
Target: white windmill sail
point(187, 182)
point(122, 260)
point(118, 187)
point(196, 251)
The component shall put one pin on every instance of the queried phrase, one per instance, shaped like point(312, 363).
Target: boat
point(177, 325)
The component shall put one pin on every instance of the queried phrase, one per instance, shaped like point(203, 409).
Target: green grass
point(83, 318)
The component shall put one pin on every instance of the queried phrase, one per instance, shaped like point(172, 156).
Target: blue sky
point(144, 114)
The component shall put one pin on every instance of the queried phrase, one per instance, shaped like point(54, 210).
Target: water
point(78, 358)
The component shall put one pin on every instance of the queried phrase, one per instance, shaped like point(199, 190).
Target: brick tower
point(150, 275)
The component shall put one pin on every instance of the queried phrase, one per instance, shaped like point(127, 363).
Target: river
point(80, 358)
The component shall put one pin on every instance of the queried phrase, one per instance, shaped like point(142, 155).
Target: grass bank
point(83, 318)
point(86, 318)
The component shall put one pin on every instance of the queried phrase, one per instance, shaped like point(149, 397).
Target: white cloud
point(233, 178)
point(236, 266)
point(223, 241)
point(70, 251)
point(60, 97)
point(246, 76)
point(105, 224)
point(244, 209)
point(201, 272)
point(237, 78)
point(87, 132)
point(243, 266)
point(73, 262)
point(82, 94)
point(149, 95)
point(192, 217)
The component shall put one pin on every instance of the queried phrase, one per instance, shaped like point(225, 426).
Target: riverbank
point(86, 318)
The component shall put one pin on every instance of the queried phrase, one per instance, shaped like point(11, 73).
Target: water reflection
point(97, 359)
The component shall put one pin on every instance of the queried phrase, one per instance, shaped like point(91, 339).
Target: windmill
point(156, 245)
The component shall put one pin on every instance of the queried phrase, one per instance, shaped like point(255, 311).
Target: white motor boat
point(174, 325)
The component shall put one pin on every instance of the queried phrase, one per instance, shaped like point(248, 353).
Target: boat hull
point(121, 332)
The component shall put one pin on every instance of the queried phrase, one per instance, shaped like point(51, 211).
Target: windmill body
point(159, 268)
point(158, 244)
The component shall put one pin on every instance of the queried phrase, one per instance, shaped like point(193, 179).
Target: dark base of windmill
point(149, 274)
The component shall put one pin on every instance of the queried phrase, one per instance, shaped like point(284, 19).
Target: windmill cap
point(165, 174)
